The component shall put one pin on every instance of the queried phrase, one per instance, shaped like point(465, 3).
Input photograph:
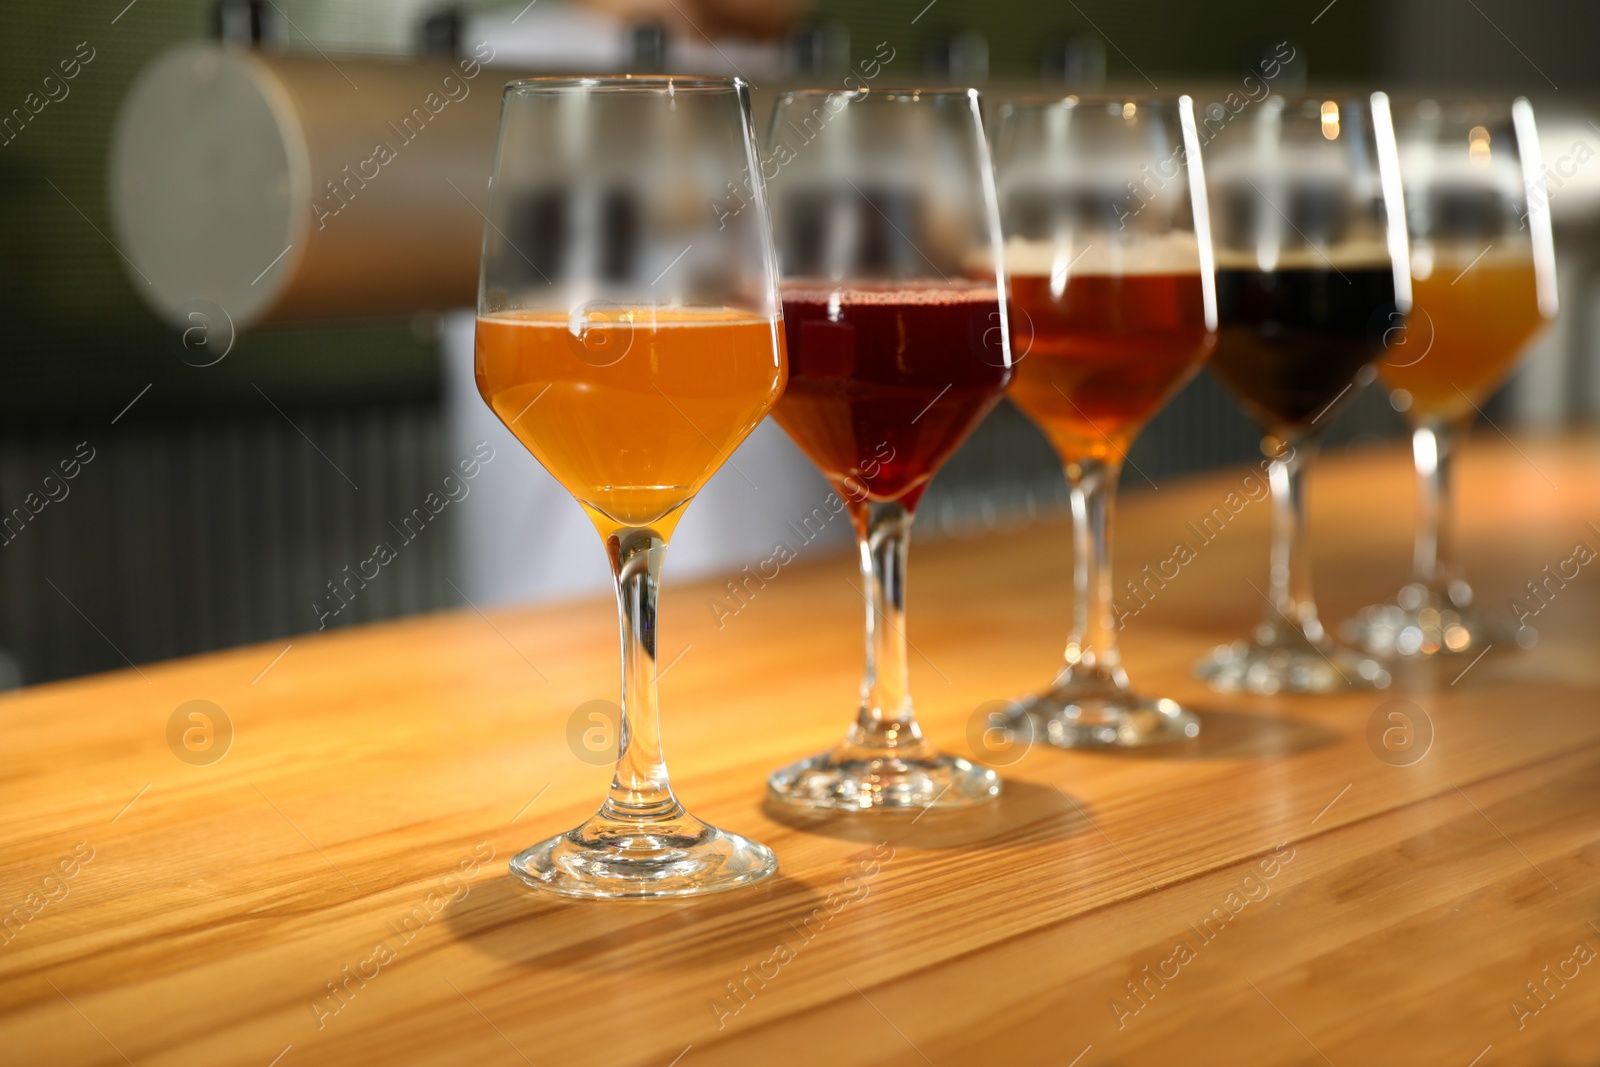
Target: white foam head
point(1369, 254)
point(1170, 253)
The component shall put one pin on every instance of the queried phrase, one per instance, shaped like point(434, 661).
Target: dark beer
point(1294, 339)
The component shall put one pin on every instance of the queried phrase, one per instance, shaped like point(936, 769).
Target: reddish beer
point(891, 376)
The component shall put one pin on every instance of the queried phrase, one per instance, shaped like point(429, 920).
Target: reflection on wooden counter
point(1297, 886)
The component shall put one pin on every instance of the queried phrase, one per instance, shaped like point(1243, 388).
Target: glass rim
point(656, 83)
point(1044, 100)
point(1301, 97)
point(891, 92)
point(1497, 106)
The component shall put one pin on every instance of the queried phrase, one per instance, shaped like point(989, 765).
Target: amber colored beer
point(1098, 359)
point(1469, 323)
point(631, 409)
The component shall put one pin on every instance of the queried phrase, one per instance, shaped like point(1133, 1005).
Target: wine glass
point(1483, 283)
point(629, 334)
point(1312, 282)
point(1113, 301)
point(886, 220)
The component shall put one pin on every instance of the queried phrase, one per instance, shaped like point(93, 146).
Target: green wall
point(1202, 38)
point(78, 342)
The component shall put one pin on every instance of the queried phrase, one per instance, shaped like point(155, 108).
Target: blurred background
point(249, 439)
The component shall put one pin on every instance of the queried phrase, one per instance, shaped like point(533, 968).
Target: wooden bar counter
point(1285, 890)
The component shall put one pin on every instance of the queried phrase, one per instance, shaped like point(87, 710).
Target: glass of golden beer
point(1483, 283)
point(629, 334)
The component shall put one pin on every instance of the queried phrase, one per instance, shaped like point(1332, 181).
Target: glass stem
point(886, 720)
point(640, 790)
point(1433, 446)
point(1291, 566)
point(1092, 648)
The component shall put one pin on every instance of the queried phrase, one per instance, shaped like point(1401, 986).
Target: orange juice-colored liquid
point(1477, 322)
point(636, 411)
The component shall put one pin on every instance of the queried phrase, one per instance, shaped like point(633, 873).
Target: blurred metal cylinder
point(280, 187)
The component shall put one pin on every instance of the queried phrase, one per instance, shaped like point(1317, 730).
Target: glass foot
point(1103, 715)
point(618, 859)
point(854, 779)
point(1423, 623)
point(1279, 662)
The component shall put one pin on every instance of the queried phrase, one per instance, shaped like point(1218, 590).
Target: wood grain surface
point(1283, 891)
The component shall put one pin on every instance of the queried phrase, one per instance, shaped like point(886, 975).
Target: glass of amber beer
point(629, 334)
point(1114, 308)
point(1483, 283)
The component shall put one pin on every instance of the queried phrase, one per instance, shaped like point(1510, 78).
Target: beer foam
point(629, 317)
point(859, 293)
point(1169, 253)
point(1430, 257)
point(1353, 255)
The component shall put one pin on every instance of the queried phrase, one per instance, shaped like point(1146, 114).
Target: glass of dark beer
point(1483, 281)
point(888, 235)
point(1312, 284)
point(1113, 309)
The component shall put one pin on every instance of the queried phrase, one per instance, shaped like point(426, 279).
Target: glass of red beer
point(883, 201)
point(1114, 308)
